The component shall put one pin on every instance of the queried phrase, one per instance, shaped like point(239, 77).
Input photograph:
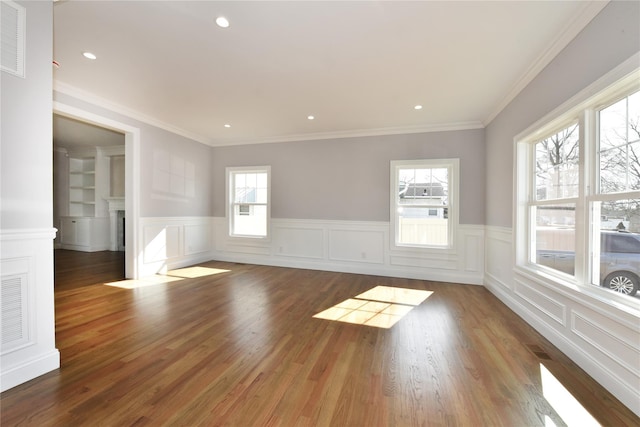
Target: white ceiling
point(72, 134)
point(359, 67)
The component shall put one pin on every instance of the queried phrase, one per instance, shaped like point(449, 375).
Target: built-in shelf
point(94, 221)
point(82, 186)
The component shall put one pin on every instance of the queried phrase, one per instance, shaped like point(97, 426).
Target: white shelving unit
point(85, 228)
point(82, 187)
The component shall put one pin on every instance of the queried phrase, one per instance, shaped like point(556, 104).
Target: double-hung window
point(578, 192)
point(555, 197)
point(424, 202)
point(248, 194)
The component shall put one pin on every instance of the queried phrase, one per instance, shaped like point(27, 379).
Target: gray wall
point(348, 179)
point(166, 161)
point(26, 147)
point(612, 37)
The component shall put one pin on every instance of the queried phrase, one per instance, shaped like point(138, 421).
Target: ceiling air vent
point(12, 23)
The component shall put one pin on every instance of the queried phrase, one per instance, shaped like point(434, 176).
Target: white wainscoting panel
point(353, 247)
point(593, 329)
point(356, 245)
point(610, 339)
point(540, 302)
point(473, 244)
point(175, 242)
point(28, 320)
point(298, 241)
point(499, 256)
point(431, 262)
point(197, 238)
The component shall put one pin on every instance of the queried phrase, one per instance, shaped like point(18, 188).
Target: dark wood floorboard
point(242, 348)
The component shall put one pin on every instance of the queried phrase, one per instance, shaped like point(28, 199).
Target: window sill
point(583, 293)
point(436, 250)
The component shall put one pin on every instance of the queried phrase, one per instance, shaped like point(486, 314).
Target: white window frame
point(453, 166)
point(230, 203)
point(583, 109)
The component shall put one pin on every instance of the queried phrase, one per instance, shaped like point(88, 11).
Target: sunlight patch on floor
point(395, 295)
point(143, 282)
point(380, 307)
point(195, 272)
point(566, 406)
point(170, 276)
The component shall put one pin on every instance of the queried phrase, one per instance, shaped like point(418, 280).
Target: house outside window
point(424, 196)
point(248, 195)
point(578, 192)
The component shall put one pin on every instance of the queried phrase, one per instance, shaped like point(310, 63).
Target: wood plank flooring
point(241, 348)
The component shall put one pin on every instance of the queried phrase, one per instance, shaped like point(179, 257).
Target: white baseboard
point(29, 369)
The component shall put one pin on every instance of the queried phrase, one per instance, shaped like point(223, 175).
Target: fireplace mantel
point(115, 203)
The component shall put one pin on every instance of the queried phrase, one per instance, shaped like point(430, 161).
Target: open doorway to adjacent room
point(88, 195)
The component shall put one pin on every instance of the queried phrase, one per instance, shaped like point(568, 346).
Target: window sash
point(429, 231)
point(255, 194)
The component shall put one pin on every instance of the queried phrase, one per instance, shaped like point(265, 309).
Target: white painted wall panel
point(298, 242)
point(434, 263)
point(26, 211)
point(197, 238)
point(609, 338)
point(154, 243)
point(353, 247)
point(356, 245)
point(498, 256)
point(168, 243)
point(541, 303)
point(472, 246)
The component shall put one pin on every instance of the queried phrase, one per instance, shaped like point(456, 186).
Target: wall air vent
point(12, 24)
point(14, 314)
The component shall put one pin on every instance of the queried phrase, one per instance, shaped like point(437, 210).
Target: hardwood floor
point(239, 346)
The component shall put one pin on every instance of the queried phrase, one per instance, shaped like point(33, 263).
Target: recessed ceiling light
point(89, 55)
point(418, 107)
point(227, 125)
point(310, 117)
point(222, 22)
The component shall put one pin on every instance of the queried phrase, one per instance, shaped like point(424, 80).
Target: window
point(248, 201)
point(553, 207)
point(578, 211)
point(423, 200)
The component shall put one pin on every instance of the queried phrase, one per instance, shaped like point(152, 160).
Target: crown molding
point(82, 95)
point(588, 11)
point(117, 108)
point(447, 127)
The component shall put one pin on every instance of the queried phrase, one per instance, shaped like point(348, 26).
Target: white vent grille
point(12, 23)
point(14, 319)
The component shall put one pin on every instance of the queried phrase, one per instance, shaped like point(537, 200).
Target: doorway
point(107, 210)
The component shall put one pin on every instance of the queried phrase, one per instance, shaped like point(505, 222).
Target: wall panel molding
point(28, 320)
point(173, 242)
point(606, 340)
point(353, 247)
point(597, 333)
point(545, 305)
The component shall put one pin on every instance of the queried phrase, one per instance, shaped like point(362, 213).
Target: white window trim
point(454, 195)
point(229, 206)
point(581, 107)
